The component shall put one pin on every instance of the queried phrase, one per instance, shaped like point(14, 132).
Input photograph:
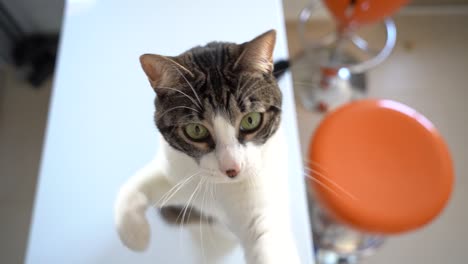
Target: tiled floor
point(431, 77)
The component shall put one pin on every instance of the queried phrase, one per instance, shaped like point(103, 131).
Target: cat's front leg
point(261, 223)
point(143, 190)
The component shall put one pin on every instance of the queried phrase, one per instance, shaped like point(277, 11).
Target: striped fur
point(223, 88)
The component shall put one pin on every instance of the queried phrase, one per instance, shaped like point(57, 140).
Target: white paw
point(130, 220)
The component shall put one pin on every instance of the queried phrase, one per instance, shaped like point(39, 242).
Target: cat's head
point(218, 103)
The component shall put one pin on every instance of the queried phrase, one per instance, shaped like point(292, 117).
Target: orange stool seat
point(380, 166)
point(363, 11)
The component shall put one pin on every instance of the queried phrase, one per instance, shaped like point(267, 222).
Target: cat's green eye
point(196, 132)
point(251, 122)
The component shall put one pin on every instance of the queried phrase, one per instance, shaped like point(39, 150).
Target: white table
point(100, 127)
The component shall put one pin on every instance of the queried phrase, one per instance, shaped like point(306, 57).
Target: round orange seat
point(362, 11)
point(380, 166)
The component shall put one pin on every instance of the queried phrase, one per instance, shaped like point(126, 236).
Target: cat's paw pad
point(131, 223)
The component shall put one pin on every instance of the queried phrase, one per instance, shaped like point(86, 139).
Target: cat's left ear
point(161, 69)
point(155, 67)
point(257, 54)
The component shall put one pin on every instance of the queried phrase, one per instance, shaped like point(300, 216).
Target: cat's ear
point(155, 67)
point(257, 54)
point(161, 69)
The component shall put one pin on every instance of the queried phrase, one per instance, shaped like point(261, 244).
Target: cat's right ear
point(257, 54)
point(156, 67)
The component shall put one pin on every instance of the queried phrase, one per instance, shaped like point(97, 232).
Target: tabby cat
point(218, 111)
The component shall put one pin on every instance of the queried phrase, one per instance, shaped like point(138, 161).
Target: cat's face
point(218, 104)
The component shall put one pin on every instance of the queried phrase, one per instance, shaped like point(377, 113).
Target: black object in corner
point(280, 67)
point(36, 54)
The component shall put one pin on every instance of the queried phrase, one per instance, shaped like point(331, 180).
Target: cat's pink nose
point(231, 173)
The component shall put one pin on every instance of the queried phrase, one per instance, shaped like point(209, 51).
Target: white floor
point(427, 71)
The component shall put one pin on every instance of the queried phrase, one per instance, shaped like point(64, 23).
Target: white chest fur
point(267, 182)
point(254, 206)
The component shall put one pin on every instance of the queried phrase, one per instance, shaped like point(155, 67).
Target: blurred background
point(427, 70)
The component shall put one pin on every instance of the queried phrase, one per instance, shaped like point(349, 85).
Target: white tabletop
point(100, 127)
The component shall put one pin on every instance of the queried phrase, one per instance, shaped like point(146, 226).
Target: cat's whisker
point(254, 91)
point(186, 95)
point(314, 163)
point(323, 175)
point(239, 82)
point(178, 107)
point(183, 212)
point(329, 181)
point(323, 185)
point(212, 191)
point(191, 86)
point(177, 66)
point(241, 91)
point(200, 224)
point(210, 226)
point(245, 84)
point(191, 114)
point(176, 188)
point(203, 180)
point(182, 123)
point(168, 195)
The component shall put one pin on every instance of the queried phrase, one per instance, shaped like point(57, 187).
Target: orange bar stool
point(378, 168)
point(332, 68)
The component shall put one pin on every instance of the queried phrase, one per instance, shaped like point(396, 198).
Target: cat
point(218, 111)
